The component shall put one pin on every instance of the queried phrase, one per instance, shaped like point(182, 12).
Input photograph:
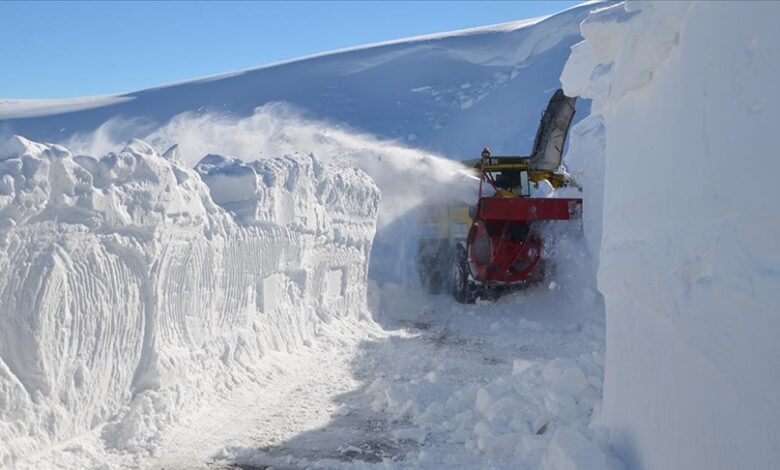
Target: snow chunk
point(520, 365)
point(483, 401)
point(281, 190)
point(570, 450)
point(412, 434)
point(173, 153)
point(565, 377)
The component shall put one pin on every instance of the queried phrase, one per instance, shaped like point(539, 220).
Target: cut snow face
point(683, 98)
point(128, 292)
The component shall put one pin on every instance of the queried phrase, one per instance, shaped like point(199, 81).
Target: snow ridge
point(444, 93)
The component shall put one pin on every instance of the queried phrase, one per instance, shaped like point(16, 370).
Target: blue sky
point(67, 49)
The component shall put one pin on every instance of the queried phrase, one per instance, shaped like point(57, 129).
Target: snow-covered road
point(301, 395)
point(432, 383)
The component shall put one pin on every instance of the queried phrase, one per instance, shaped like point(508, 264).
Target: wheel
point(432, 280)
point(432, 262)
point(463, 289)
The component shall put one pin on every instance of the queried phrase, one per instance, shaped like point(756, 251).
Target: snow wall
point(691, 235)
point(127, 289)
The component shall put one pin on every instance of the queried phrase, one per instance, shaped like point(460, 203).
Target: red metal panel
point(495, 259)
point(527, 208)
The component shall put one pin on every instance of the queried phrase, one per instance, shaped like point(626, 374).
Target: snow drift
point(132, 284)
point(443, 93)
point(690, 250)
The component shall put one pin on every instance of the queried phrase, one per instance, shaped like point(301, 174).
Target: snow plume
point(111, 136)
point(405, 176)
point(686, 93)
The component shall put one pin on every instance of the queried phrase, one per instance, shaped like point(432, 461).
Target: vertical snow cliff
point(690, 255)
point(129, 287)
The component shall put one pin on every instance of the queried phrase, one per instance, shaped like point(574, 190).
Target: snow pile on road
point(513, 420)
point(690, 251)
point(127, 292)
point(538, 411)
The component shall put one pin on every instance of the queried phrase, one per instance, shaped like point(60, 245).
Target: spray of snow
point(689, 254)
point(405, 176)
point(450, 93)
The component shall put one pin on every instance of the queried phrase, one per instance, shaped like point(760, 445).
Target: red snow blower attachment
point(502, 245)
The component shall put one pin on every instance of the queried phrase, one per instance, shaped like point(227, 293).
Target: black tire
point(432, 266)
point(463, 289)
point(437, 283)
point(431, 279)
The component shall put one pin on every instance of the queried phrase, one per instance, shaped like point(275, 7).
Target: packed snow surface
point(509, 386)
point(685, 93)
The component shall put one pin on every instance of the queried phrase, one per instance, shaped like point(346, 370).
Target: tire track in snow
point(299, 395)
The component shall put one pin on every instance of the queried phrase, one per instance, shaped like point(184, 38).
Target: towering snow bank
point(127, 291)
point(690, 254)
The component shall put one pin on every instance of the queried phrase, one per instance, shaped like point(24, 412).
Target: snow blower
point(496, 245)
